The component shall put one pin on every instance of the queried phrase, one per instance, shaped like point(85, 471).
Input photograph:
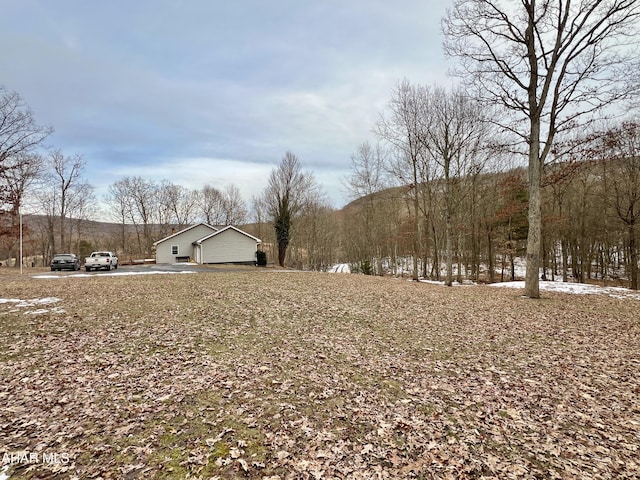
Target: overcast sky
point(216, 91)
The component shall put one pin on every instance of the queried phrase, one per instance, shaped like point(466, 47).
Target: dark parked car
point(65, 261)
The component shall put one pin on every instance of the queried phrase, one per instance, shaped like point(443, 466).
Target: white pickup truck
point(100, 260)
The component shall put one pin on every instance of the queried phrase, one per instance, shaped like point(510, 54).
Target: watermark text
point(23, 457)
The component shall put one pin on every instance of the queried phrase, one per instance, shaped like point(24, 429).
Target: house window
point(175, 250)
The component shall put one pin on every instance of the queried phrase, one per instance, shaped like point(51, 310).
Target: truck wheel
point(108, 267)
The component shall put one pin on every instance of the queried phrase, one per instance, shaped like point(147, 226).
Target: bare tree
point(402, 129)
point(144, 196)
point(19, 165)
point(224, 207)
point(19, 173)
point(19, 135)
point(212, 205)
point(234, 207)
point(120, 209)
point(136, 201)
point(314, 238)
point(69, 189)
point(179, 202)
point(621, 169)
point(64, 195)
point(368, 177)
point(551, 64)
point(285, 196)
point(455, 132)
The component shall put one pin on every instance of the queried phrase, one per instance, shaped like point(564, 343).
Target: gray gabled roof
point(185, 230)
point(198, 242)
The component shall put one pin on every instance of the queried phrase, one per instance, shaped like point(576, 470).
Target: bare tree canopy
point(551, 64)
point(223, 207)
point(19, 134)
point(455, 131)
point(403, 129)
point(367, 171)
point(64, 194)
point(178, 204)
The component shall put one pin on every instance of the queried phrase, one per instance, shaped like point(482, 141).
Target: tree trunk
point(380, 272)
point(633, 258)
point(534, 237)
point(492, 266)
point(448, 249)
point(282, 252)
point(435, 268)
point(417, 244)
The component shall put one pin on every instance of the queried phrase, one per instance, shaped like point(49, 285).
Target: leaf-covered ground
point(273, 375)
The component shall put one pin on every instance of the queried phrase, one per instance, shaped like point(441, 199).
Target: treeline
point(147, 211)
point(459, 208)
point(439, 194)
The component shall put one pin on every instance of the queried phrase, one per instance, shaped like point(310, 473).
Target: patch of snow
point(340, 268)
point(576, 288)
point(25, 304)
point(37, 301)
point(46, 300)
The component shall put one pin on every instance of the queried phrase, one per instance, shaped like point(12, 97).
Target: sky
point(216, 92)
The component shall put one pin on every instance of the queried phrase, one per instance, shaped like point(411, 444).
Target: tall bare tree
point(19, 135)
point(121, 209)
point(223, 207)
point(403, 129)
point(551, 64)
point(235, 207)
point(285, 196)
point(455, 132)
point(71, 188)
point(136, 201)
point(621, 169)
point(368, 177)
point(211, 205)
point(64, 194)
point(179, 202)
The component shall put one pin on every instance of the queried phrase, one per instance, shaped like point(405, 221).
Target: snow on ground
point(576, 288)
point(18, 304)
point(340, 268)
point(563, 287)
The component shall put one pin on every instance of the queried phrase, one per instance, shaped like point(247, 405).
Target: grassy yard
point(274, 375)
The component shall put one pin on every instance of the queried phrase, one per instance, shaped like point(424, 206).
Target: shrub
point(366, 267)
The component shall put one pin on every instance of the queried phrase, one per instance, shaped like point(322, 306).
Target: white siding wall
point(185, 244)
point(229, 246)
